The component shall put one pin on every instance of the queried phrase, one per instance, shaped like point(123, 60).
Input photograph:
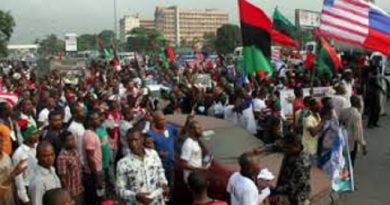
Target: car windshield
point(227, 144)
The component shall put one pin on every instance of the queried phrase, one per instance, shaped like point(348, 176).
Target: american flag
point(10, 98)
point(346, 20)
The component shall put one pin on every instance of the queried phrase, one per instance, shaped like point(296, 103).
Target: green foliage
point(7, 24)
point(108, 37)
point(51, 45)
point(209, 40)
point(228, 38)
point(87, 42)
point(145, 41)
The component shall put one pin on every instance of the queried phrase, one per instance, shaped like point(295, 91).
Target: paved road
point(373, 171)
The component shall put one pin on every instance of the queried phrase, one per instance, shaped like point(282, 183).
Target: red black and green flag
point(327, 59)
point(283, 31)
point(256, 30)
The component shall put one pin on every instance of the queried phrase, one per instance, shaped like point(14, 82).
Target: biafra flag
point(256, 30)
point(283, 32)
point(327, 59)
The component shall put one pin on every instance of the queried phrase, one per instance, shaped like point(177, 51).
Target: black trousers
point(374, 110)
point(91, 186)
point(170, 175)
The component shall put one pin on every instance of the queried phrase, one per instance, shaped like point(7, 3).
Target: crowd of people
point(105, 138)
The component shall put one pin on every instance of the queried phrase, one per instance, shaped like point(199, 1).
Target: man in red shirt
point(298, 101)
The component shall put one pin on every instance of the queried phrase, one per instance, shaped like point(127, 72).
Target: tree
point(86, 42)
point(108, 37)
point(51, 45)
point(209, 40)
point(228, 38)
point(145, 40)
point(7, 25)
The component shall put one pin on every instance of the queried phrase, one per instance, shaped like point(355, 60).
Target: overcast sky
point(38, 18)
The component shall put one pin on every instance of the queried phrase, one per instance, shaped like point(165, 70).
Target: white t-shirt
point(243, 191)
point(78, 130)
point(259, 105)
point(264, 194)
point(67, 114)
point(246, 119)
point(192, 153)
point(44, 117)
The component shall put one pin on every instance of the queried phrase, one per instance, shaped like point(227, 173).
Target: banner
point(203, 80)
point(307, 19)
point(70, 42)
point(287, 97)
point(344, 178)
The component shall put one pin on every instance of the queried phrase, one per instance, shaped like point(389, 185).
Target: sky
point(39, 18)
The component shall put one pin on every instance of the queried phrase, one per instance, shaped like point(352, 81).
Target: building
point(188, 24)
point(126, 24)
point(148, 24)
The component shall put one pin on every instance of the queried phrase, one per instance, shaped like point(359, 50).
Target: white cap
point(265, 174)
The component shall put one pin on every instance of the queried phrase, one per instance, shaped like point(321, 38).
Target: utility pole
point(115, 21)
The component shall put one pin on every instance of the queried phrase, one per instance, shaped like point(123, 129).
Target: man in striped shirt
point(69, 167)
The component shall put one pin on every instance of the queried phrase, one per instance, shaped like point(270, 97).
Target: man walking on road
point(351, 118)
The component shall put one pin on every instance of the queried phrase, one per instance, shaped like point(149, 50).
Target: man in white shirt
point(124, 125)
point(43, 117)
point(140, 177)
point(45, 177)
point(241, 185)
point(191, 151)
point(259, 107)
point(77, 128)
point(26, 151)
point(264, 180)
point(339, 102)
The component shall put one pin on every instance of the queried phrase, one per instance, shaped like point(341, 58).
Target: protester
point(339, 100)
point(140, 175)
point(28, 111)
point(54, 130)
point(241, 186)
point(6, 126)
point(192, 151)
point(57, 196)
point(164, 137)
point(259, 110)
point(374, 91)
point(198, 183)
point(298, 103)
point(93, 171)
point(312, 126)
point(6, 195)
point(7, 179)
point(76, 127)
point(69, 168)
point(103, 135)
point(263, 182)
point(352, 120)
point(125, 124)
point(45, 177)
point(26, 152)
point(347, 82)
point(294, 180)
point(43, 117)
